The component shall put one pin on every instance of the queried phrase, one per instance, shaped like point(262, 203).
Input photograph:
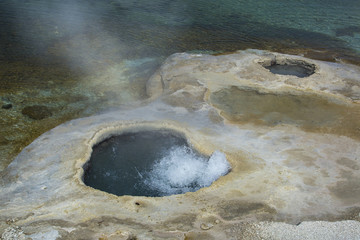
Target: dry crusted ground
point(293, 144)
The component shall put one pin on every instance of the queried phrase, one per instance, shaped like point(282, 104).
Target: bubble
point(181, 170)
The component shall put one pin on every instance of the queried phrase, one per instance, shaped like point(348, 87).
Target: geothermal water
point(307, 111)
point(289, 70)
point(151, 163)
point(77, 58)
point(181, 171)
point(294, 155)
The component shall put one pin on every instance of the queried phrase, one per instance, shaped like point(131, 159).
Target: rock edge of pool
point(289, 179)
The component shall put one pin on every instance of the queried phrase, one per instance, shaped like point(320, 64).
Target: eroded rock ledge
point(247, 69)
point(290, 164)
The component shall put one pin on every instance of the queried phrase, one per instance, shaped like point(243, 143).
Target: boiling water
point(180, 171)
point(151, 163)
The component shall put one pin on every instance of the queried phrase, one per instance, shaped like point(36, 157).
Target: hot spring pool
point(151, 163)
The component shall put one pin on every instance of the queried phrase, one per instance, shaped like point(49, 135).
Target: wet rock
point(6, 103)
point(37, 112)
point(6, 106)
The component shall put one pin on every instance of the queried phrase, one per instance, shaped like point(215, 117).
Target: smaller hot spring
point(291, 67)
point(151, 163)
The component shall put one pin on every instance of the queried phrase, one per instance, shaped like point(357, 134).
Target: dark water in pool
point(291, 70)
point(119, 164)
point(79, 57)
point(151, 163)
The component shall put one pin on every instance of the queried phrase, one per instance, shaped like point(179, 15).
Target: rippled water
point(80, 57)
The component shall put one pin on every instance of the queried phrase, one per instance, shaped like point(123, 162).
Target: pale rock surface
point(283, 176)
point(245, 69)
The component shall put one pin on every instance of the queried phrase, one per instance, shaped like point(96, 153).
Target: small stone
point(206, 226)
point(37, 112)
point(6, 106)
point(11, 221)
point(217, 221)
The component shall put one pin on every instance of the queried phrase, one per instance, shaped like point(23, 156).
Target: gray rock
point(37, 112)
point(6, 106)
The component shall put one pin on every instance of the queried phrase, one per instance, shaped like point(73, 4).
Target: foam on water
point(181, 170)
point(151, 163)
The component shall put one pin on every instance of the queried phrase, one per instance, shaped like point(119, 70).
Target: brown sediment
point(236, 210)
point(60, 94)
point(308, 111)
point(19, 132)
point(22, 76)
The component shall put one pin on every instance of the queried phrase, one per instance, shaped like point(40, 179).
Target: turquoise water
point(161, 27)
point(80, 57)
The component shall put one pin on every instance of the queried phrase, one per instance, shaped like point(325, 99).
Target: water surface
point(151, 163)
point(304, 110)
point(83, 56)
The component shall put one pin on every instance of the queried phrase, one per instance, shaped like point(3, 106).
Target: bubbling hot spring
point(151, 163)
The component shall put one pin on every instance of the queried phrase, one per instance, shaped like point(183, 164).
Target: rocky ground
point(293, 145)
point(35, 98)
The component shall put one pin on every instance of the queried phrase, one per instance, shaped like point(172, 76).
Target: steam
point(96, 41)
